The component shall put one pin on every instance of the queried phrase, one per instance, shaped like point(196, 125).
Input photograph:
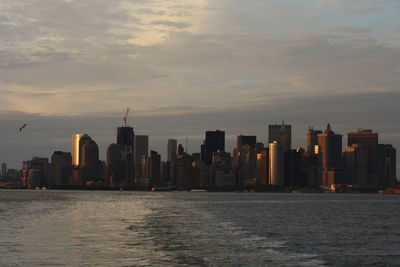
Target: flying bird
point(23, 126)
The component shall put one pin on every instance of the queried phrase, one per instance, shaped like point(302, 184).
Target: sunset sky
point(184, 67)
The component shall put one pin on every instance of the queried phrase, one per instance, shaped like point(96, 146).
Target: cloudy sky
point(183, 67)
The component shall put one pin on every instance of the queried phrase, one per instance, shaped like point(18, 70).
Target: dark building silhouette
point(282, 134)
point(264, 168)
point(172, 151)
point(294, 174)
point(330, 153)
point(60, 169)
point(125, 139)
point(215, 141)
point(246, 140)
point(114, 164)
point(369, 140)
point(312, 139)
point(386, 166)
point(155, 169)
point(356, 162)
point(35, 173)
point(91, 165)
point(141, 146)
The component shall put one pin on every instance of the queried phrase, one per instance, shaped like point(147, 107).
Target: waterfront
point(111, 228)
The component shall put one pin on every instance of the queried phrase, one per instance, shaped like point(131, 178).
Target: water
point(87, 228)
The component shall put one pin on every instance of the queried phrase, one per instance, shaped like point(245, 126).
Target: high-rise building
point(114, 164)
point(4, 169)
point(91, 165)
point(60, 169)
point(329, 153)
point(386, 166)
point(276, 161)
point(215, 141)
point(141, 147)
point(172, 150)
point(78, 140)
point(282, 134)
point(264, 168)
point(312, 139)
point(368, 139)
point(246, 140)
point(125, 139)
point(155, 169)
point(356, 160)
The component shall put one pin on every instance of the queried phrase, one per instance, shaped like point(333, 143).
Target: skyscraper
point(215, 141)
point(172, 150)
point(386, 166)
point(60, 168)
point(78, 140)
point(125, 139)
point(90, 161)
point(276, 168)
point(4, 169)
point(282, 134)
point(330, 152)
point(312, 139)
point(368, 139)
point(114, 164)
point(141, 147)
point(246, 140)
point(356, 160)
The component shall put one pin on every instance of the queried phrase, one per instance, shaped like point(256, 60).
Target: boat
point(198, 190)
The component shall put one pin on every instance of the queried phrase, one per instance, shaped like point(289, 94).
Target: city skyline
point(70, 67)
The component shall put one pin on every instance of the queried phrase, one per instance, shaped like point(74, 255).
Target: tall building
point(282, 134)
point(386, 166)
point(141, 147)
point(125, 139)
point(155, 169)
point(368, 139)
point(246, 140)
point(114, 164)
point(172, 150)
point(4, 169)
point(276, 161)
point(60, 169)
point(329, 153)
point(312, 139)
point(215, 141)
point(78, 140)
point(356, 160)
point(91, 165)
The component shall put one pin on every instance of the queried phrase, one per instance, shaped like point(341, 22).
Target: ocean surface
point(111, 228)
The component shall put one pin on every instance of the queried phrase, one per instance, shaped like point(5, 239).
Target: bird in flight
point(23, 126)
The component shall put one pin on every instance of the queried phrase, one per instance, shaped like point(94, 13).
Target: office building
point(78, 140)
point(246, 140)
point(312, 139)
point(215, 141)
point(356, 162)
point(60, 169)
point(125, 139)
point(4, 169)
point(276, 161)
point(141, 147)
point(114, 164)
point(282, 134)
point(369, 140)
point(386, 166)
point(329, 153)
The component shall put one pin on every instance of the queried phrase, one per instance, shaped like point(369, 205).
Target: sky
point(184, 67)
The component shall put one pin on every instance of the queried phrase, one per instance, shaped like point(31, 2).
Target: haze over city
point(74, 66)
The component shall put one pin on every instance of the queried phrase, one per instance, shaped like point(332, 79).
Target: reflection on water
point(197, 229)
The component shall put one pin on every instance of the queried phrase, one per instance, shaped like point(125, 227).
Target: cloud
point(168, 23)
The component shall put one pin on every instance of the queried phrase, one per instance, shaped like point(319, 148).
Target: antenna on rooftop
point(126, 116)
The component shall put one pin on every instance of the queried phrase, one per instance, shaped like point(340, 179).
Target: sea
point(129, 228)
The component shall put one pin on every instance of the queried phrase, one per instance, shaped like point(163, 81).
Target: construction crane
point(126, 116)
